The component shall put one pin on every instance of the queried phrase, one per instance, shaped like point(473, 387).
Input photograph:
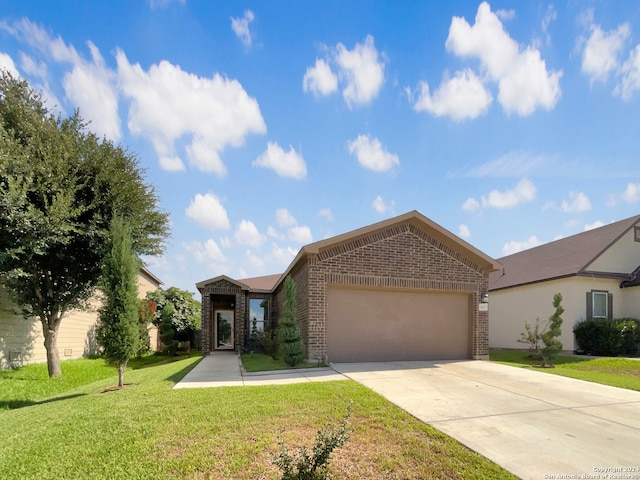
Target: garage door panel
point(383, 325)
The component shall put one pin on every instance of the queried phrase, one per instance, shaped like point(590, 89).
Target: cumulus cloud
point(281, 256)
point(591, 226)
point(320, 79)
point(632, 193)
point(208, 211)
point(284, 218)
point(207, 253)
point(514, 246)
point(380, 206)
point(578, 202)
point(525, 191)
point(326, 213)
point(360, 71)
point(601, 52)
point(471, 205)
point(630, 75)
point(461, 97)
point(300, 234)
point(247, 234)
point(240, 27)
point(524, 83)
point(255, 261)
point(372, 154)
point(464, 231)
point(286, 164)
point(273, 233)
point(168, 104)
point(6, 63)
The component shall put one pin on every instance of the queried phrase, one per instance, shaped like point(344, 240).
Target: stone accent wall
point(403, 257)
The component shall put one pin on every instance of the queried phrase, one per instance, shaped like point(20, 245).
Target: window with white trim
point(600, 304)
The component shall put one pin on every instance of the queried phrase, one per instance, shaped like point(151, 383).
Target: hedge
point(617, 337)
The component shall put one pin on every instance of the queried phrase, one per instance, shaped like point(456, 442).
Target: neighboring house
point(401, 289)
point(597, 273)
point(22, 342)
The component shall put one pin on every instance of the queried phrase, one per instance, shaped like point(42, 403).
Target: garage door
point(383, 325)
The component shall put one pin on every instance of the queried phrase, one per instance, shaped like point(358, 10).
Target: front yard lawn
point(147, 430)
point(260, 362)
point(617, 372)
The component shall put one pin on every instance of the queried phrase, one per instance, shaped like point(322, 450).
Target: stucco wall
point(511, 307)
point(621, 257)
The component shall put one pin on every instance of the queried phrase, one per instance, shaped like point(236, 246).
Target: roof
point(562, 258)
point(269, 283)
point(151, 276)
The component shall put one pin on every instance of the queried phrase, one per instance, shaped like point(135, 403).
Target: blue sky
point(265, 126)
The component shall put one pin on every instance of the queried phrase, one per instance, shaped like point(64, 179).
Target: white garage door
point(366, 325)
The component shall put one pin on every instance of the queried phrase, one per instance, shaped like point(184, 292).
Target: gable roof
point(203, 283)
point(562, 258)
point(413, 217)
point(265, 283)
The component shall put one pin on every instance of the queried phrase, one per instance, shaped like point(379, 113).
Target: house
point(597, 272)
point(401, 289)
point(22, 342)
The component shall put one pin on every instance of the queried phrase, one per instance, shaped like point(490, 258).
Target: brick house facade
point(404, 288)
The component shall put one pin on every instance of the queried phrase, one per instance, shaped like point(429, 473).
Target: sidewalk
point(223, 369)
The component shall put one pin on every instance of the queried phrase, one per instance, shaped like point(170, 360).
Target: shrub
point(305, 465)
point(290, 343)
point(620, 336)
point(268, 343)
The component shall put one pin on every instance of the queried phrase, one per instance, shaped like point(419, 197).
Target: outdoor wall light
point(484, 298)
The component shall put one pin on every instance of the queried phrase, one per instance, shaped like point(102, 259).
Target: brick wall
point(222, 287)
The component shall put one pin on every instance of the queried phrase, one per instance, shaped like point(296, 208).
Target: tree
point(185, 314)
point(59, 188)
point(118, 332)
point(550, 336)
point(167, 332)
point(146, 313)
point(289, 337)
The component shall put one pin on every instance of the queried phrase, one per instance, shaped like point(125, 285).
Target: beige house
point(401, 289)
point(22, 342)
point(597, 272)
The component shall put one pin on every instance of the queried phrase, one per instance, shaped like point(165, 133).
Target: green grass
point(259, 362)
point(148, 430)
point(617, 372)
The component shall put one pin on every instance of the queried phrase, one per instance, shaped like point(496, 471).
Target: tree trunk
point(51, 344)
point(121, 368)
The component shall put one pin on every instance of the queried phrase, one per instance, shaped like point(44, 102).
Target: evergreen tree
point(550, 336)
point(118, 331)
point(291, 347)
point(167, 331)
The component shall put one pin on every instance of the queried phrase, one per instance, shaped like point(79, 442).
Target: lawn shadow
point(15, 404)
point(176, 377)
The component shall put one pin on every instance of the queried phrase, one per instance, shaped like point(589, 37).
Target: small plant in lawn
point(291, 347)
point(549, 337)
point(314, 465)
point(531, 337)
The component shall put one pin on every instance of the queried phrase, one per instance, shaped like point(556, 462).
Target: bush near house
point(617, 337)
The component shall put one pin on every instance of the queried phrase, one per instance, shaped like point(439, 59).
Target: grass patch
point(149, 430)
point(617, 372)
point(260, 362)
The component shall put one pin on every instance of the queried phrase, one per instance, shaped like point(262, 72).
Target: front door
point(223, 330)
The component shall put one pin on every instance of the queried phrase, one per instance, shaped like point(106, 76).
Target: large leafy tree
point(59, 188)
point(178, 308)
point(118, 331)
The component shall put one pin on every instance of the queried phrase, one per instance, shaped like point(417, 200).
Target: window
point(636, 233)
point(258, 315)
point(599, 304)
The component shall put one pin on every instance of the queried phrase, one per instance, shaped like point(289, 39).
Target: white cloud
point(326, 213)
point(284, 218)
point(225, 242)
point(525, 191)
point(461, 97)
point(6, 63)
point(207, 253)
point(164, 3)
point(248, 234)
point(254, 260)
point(380, 206)
point(273, 233)
point(579, 202)
point(361, 70)
point(514, 247)
point(320, 79)
point(240, 27)
point(280, 255)
point(471, 205)
point(208, 211)
point(632, 193)
point(549, 17)
point(168, 104)
point(630, 75)
point(523, 80)
point(301, 234)
point(371, 154)
point(464, 231)
point(517, 163)
point(591, 226)
point(601, 51)
point(286, 164)
point(32, 67)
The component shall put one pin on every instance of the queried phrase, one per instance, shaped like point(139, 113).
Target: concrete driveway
point(534, 424)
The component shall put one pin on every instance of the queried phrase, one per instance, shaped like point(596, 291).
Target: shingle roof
point(266, 282)
point(565, 257)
